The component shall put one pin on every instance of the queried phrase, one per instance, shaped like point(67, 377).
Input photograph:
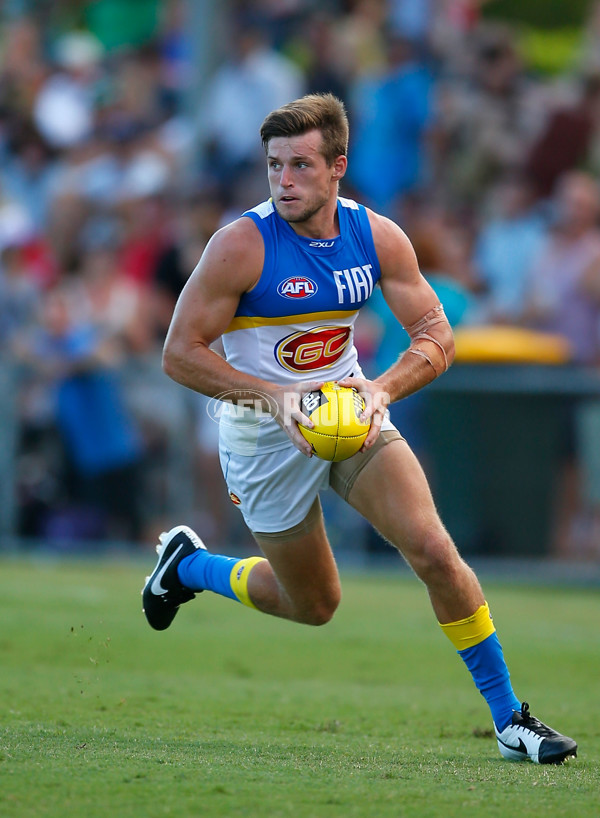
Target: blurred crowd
point(122, 149)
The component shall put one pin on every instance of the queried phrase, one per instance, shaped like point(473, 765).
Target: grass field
point(232, 713)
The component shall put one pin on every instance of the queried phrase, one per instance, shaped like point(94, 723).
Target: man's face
point(300, 180)
point(577, 203)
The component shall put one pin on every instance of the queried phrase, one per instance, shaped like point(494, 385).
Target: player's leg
point(392, 492)
point(297, 579)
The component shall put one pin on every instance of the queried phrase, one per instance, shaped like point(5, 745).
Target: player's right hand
point(288, 400)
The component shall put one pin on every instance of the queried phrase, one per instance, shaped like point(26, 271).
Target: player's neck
point(324, 224)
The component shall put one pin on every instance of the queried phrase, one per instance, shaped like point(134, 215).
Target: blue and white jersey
point(297, 323)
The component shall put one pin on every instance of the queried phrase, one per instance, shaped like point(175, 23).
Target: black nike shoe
point(163, 593)
point(526, 737)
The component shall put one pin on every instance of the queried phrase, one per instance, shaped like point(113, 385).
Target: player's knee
point(319, 615)
point(436, 560)
point(320, 611)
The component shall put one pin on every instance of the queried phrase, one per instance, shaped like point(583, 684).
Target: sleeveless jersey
point(297, 323)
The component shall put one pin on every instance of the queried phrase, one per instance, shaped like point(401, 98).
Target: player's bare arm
point(230, 265)
point(416, 306)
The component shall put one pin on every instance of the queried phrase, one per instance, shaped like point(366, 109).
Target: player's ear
point(339, 168)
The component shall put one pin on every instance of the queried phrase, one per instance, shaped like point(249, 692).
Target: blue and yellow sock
point(478, 646)
point(227, 576)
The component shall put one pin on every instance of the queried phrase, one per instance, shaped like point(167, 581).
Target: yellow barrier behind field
point(505, 344)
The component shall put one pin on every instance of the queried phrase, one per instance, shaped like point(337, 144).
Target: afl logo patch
point(297, 287)
point(312, 349)
point(235, 499)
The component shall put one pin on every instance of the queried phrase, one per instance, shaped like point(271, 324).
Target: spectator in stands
point(566, 140)
point(360, 39)
point(509, 237)
point(486, 123)
point(64, 108)
point(589, 53)
point(22, 67)
point(114, 303)
point(197, 218)
point(145, 209)
point(412, 19)
point(561, 300)
point(20, 289)
point(325, 67)
point(104, 447)
point(391, 112)
point(254, 80)
point(556, 297)
point(28, 174)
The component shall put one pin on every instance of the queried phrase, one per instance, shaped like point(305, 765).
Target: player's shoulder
point(389, 238)
point(236, 232)
point(239, 240)
point(384, 228)
point(261, 211)
point(234, 253)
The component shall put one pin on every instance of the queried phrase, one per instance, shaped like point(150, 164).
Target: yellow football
point(335, 410)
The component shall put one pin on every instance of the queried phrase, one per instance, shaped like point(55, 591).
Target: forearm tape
point(423, 330)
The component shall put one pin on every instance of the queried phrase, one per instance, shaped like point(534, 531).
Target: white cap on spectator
point(78, 50)
point(146, 175)
point(62, 114)
point(16, 227)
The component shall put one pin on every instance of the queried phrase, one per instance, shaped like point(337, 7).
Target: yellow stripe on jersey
point(252, 321)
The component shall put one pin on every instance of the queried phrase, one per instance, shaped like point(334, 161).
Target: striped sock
point(227, 576)
point(478, 646)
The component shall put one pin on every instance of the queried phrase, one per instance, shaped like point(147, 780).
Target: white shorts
point(275, 491)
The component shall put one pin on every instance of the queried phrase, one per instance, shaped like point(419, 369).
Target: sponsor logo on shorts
point(312, 349)
point(297, 287)
point(235, 500)
point(232, 407)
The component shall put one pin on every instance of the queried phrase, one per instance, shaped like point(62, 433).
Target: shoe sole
point(561, 757)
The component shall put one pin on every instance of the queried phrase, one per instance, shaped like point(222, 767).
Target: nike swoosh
point(156, 587)
point(521, 748)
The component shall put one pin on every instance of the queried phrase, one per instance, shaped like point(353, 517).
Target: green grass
point(232, 713)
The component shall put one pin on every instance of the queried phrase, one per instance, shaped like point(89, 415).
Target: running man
point(283, 285)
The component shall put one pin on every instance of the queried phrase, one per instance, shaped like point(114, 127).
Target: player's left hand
point(376, 404)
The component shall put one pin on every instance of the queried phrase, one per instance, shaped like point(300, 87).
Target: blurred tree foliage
point(539, 13)
point(550, 52)
point(549, 31)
